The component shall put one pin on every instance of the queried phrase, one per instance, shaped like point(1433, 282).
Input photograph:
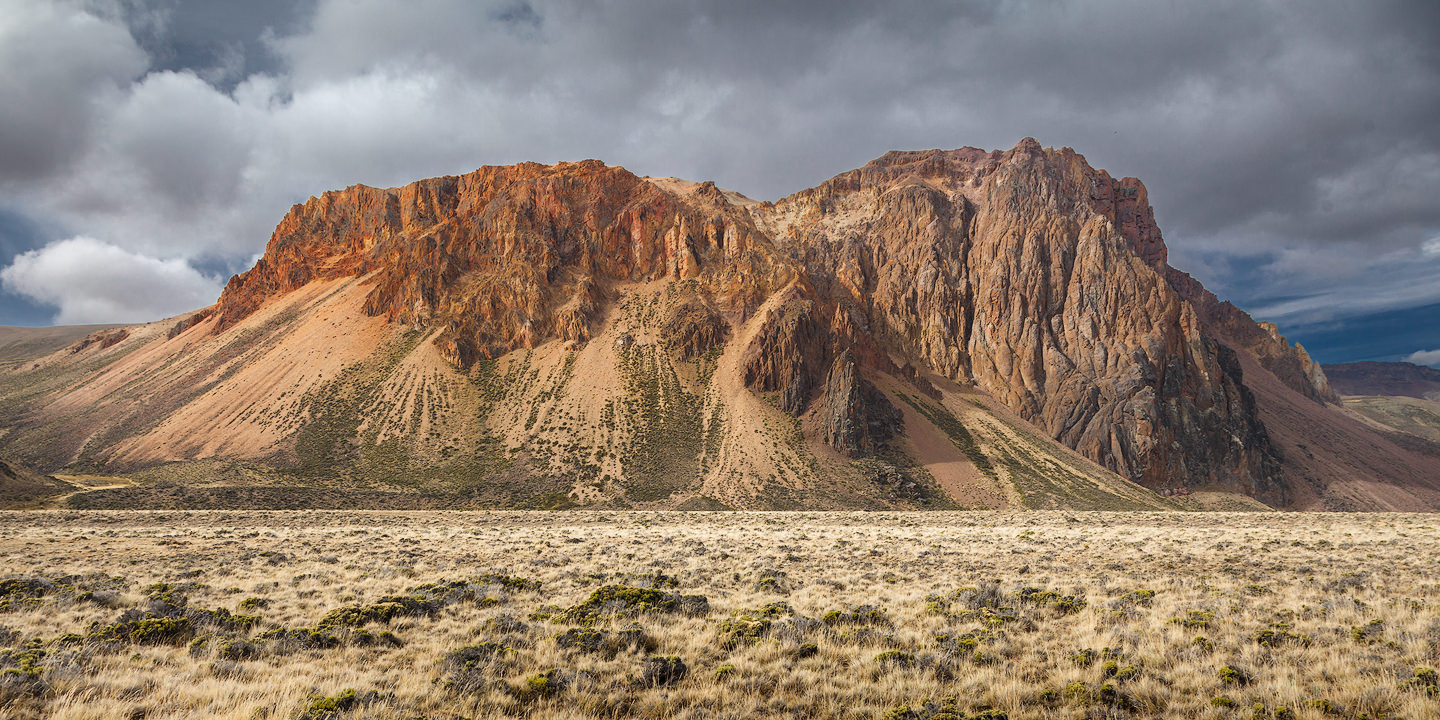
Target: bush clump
point(896, 658)
point(946, 709)
point(1231, 675)
point(467, 669)
point(627, 600)
point(1369, 632)
point(1278, 635)
point(1425, 680)
point(1195, 619)
point(327, 708)
point(861, 616)
point(663, 670)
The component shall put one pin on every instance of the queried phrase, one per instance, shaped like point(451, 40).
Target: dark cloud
point(1289, 147)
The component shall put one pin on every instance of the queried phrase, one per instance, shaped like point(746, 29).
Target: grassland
point(902, 616)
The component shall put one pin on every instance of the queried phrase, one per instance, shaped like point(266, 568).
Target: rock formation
point(1038, 278)
point(1027, 272)
point(577, 331)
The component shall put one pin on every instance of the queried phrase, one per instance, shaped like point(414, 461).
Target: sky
point(1291, 149)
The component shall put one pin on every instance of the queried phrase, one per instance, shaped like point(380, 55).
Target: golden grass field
point(252, 615)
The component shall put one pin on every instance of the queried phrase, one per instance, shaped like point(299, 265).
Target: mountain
point(1386, 378)
point(1401, 400)
point(935, 329)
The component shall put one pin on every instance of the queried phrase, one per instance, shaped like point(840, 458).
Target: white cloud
point(91, 281)
point(1425, 357)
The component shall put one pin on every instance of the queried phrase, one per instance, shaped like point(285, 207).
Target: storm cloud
point(1290, 148)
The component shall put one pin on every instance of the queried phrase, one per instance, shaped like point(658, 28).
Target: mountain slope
point(936, 329)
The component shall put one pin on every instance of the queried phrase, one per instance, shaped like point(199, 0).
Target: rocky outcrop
point(1289, 363)
point(508, 257)
point(856, 418)
point(790, 353)
point(189, 321)
point(1035, 276)
point(693, 328)
point(100, 340)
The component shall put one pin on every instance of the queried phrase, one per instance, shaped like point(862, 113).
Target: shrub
point(1060, 604)
point(542, 685)
point(509, 582)
point(582, 639)
point(896, 658)
point(326, 708)
point(1368, 632)
point(1425, 680)
point(735, 632)
point(1279, 635)
point(148, 630)
point(627, 600)
point(466, 669)
point(862, 615)
point(1195, 619)
point(663, 670)
point(1231, 675)
point(947, 709)
point(253, 603)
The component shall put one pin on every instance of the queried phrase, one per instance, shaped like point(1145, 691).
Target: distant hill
point(21, 486)
point(1385, 378)
point(19, 343)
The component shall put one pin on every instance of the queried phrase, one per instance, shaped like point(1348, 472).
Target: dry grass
point(1321, 616)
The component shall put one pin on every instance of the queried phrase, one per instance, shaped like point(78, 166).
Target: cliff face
point(1290, 364)
point(1037, 277)
point(508, 257)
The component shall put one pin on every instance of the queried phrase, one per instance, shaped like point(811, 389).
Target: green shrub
point(626, 600)
point(148, 630)
point(1231, 675)
point(663, 670)
point(1369, 632)
point(896, 658)
point(861, 615)
point(326, 708)
point(542, 685)
point(1195, 619)
point(1279, 635)
point(1425, 680)
point(253, 603)
point(946, 709)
